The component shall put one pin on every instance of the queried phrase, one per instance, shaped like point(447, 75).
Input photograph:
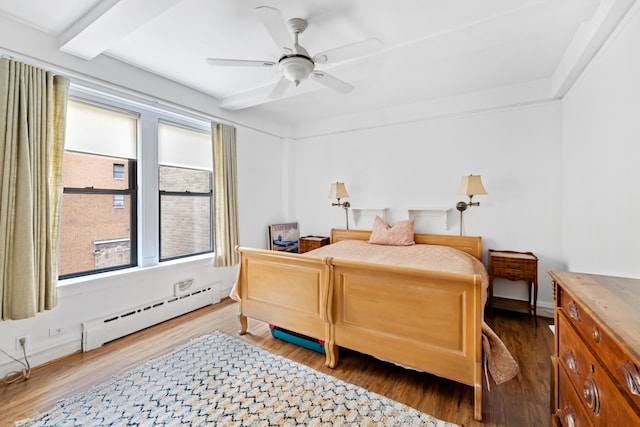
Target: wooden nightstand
point(308, 243)
point(514, 266)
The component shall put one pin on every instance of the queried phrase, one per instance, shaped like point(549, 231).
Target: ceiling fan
point(295, 63)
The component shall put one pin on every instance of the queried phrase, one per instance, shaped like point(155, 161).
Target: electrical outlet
point(182, 287)
point(21, 340)
point(55, 331)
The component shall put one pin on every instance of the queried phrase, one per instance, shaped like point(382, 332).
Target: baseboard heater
point(97, 332)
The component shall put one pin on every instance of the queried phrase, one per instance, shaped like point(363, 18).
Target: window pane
point(87, 170)
point(118, 200)
point(183, 180)
point(185, 225)
point(118, 171)
point(93, 233)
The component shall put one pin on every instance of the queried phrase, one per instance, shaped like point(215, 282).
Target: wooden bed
point(430, 320)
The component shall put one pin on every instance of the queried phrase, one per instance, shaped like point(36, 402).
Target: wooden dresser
point(596, 351)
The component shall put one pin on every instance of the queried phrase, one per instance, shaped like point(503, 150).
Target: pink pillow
point(401, 234)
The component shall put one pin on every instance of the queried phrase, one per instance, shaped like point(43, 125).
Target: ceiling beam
point(108, 23)
point(586, 43)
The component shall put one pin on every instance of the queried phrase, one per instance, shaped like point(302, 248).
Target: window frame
point(147, 221)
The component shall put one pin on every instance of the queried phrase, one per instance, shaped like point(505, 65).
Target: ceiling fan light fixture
point(295, 64)
point(296, 68)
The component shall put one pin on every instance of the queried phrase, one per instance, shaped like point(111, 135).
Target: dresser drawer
point(570, 411)
point(624, 372)
point(599, 396)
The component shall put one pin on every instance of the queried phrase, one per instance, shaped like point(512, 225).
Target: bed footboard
point(429, 321)
point(287, 290)
point(426, 320)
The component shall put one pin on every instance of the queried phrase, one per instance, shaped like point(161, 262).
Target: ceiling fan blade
point(274, 22)
point(239, 63)
point(331, 82)
point(348, 51)
point(280, 87)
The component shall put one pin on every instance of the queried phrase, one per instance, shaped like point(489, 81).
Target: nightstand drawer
point(512, 274)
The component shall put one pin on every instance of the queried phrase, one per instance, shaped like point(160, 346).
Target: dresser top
point(613, 300)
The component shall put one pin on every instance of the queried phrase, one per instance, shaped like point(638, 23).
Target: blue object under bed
point(297, 339)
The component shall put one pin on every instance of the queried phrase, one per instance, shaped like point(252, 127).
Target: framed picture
point(284, 237)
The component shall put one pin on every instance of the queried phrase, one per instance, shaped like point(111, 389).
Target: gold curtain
point(225, 195)
point(32, 124)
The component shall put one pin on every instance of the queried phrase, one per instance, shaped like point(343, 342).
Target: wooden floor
point(523, 401)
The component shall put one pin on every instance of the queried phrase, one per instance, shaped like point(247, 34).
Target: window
point(118, 200)
point(118, 171)
point(186, 195)
point(137, 185)
point(100, 145)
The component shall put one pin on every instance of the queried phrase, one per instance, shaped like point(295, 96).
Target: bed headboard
point(469, 244)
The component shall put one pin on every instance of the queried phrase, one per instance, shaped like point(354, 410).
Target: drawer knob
point(591, 395)
point(570, 360)
point(569, 417)
point(573, 310)
point(631, 377)
point(596, 335)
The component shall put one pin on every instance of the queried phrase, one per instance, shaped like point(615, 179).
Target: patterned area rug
point(220, 380)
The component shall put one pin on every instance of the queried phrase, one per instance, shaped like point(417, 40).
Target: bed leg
point(477, 402)
point(243, 324)
point(331, 351)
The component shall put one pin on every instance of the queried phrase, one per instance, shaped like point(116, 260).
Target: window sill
point(79, 285)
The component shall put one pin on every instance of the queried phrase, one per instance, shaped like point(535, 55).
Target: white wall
point(601, 158)
point(262, 166)
point(516, 150)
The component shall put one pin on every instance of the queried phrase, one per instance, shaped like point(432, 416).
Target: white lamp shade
point(471, 185)
point(296, 68)
point(338, 191)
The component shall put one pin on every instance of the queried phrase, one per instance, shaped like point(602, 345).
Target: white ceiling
point(430, 49)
